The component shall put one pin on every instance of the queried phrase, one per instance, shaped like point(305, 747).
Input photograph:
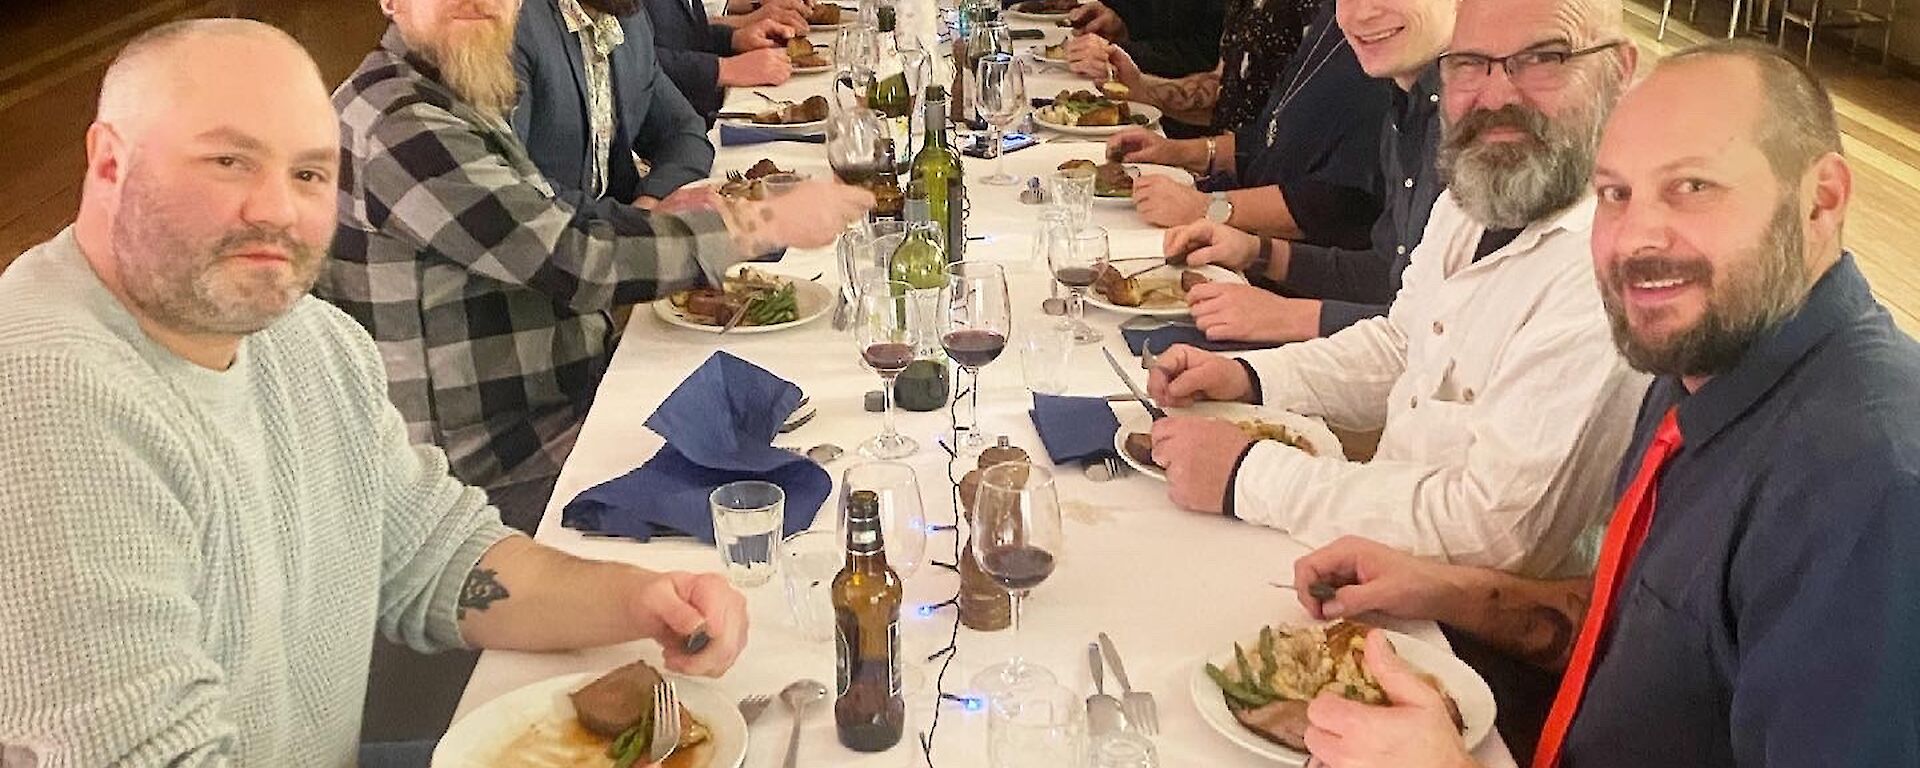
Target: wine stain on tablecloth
point(1082, 512)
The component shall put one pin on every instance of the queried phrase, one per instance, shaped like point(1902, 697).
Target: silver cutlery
point(1103, 711)
point(752, 707)
point(799, 422)
point(821, 454)
point(1141, 397)
point(1109, 468)
point(798, 696)
point(773, 100)
point(734, 322)
point(1150, 323)
point(666, 723)
point(1146, 358)
point(1137, 706)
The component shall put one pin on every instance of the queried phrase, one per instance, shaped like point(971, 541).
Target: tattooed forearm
point(1189, 99)
point(1535, 621)
point(481, 590)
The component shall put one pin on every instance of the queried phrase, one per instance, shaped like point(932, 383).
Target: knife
point(1103, 711)
point(1141, 397)
point(1113, 660)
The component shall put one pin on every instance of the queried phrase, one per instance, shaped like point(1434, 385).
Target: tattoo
point(1190, 93)
point(480, 592)
point(1538, 627)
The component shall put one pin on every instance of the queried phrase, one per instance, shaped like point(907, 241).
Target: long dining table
point(1169, 586)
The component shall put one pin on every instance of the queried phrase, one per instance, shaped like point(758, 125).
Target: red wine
point(1018, 568)
point(1074, 277)
point(888, 357)
point(858, 175)
point(974, 347)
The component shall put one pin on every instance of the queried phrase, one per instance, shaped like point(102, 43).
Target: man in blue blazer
point(705, 57)
point(576, 59)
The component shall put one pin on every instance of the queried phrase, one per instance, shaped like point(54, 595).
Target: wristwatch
point(1219, 208)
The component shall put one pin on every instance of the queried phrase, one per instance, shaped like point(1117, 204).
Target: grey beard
point(1510, 185)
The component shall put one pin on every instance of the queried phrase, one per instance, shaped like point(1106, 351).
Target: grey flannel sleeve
point(674, 139)
point(437, 182)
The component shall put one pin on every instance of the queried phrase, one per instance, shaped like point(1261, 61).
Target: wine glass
point(855, 55)
point(978, 319)
point(856, 145)
point(1000, 90)
point(1017, 537)
point(1076, 267)
point(884, 337)
point(903, 520)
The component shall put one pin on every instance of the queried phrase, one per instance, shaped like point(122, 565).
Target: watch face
point(1219, 210)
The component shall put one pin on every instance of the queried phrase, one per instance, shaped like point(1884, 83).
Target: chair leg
point(1733, 24)
point(1813, 23)
point(1666, 9)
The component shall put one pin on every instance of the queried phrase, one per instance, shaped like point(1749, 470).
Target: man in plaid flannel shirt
point(489, 297)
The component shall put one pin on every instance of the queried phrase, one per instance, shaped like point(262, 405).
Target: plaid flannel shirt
point(487, 295)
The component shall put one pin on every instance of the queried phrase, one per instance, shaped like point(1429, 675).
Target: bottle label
point(843, 650)
point(893, 657)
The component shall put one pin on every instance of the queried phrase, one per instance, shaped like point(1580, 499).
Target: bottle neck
point(917, 211)
point(865, 548)
point(935, 113)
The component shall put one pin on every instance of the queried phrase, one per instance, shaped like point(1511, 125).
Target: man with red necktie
point(1756, 599)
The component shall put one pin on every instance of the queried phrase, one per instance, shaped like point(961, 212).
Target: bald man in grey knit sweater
point(209, 503)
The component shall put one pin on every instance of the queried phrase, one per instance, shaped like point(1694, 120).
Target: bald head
point(201, 54)
point(209, 198)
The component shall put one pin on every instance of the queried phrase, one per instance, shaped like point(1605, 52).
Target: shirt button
point(1409, 183)
point(1433, 97)
point(1413, 402)
point(1438, 328)
point(1467, 396)
point(1400, 249)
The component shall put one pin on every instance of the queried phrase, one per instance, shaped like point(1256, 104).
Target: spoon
point(825, 453)
point(798, 696)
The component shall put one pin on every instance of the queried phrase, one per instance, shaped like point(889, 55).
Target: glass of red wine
point(1077, 266)
point(977, 321)
point(1018, 538)
point(856, 145)
point(883, 334)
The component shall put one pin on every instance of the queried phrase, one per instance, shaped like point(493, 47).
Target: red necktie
point(1625, 532)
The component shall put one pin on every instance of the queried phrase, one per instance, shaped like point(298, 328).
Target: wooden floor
point(58, 50)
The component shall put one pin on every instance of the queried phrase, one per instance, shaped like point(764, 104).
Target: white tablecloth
point(1168, 585)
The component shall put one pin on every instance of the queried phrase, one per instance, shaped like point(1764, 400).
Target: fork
point(666, 723)
point(753, 706)
point(733, 322)
point(1136, 705)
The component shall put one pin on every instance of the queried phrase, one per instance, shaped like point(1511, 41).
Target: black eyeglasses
point(1532, 69)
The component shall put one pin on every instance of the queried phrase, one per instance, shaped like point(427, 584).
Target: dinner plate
point(1048, 18)
point(1040, 54)
point(810, 299)
point(1214, 273)
point(1143, 169)
point(1318, 438)
point(1151, 112)
point(795, 129)
point(827, 67)
point(1466, 686)
point(479, 739)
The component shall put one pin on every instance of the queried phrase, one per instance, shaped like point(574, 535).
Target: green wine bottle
point(890, 97)
point(920, 260)
point(937, 170)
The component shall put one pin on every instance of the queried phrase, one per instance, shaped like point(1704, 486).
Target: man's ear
point(386, 7)
point(1828, 187)
point(1629, 62)
point(106, 155)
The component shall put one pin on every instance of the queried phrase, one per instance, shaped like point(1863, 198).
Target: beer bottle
point(869, 713)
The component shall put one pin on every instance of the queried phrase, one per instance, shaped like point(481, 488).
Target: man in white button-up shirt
point(1504, 405)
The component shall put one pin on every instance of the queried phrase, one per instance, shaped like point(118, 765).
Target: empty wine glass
point(1076, 267)
point(1018, 538)
point(903, 520)
point(978, 318)
point(883, 335)
point(855, 56)
point(1000, 90)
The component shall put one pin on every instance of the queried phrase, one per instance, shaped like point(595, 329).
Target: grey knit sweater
point(193, 563)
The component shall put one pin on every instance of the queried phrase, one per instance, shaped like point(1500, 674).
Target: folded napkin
point(1159, 339)
point(719, 425)
point(1075, 430)
point(741, 135)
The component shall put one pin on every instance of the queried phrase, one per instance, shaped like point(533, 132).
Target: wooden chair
point(1821, 15)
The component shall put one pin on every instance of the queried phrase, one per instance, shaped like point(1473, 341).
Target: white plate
point(1217, 274)
point(1462, 683)
point(1317, 436)
point(826, 27)
point(1040, 54)
point(828, 67)
point(1151, 112)
point(810, 299)
point(795, 129)
point(1048, 18)
point(1144, 169)
point(477, 740)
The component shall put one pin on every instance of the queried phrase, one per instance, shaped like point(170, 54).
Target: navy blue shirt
point(1318, 139)
point(1357, 283)
point(1772, 617)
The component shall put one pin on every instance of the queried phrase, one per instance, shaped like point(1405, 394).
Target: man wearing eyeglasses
point(1502, 403)
point(1756, 602)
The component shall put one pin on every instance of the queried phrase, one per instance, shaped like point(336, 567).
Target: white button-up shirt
point(1504, 405)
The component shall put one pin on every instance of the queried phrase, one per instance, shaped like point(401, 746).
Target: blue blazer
point(651, 119)
point(690, 49)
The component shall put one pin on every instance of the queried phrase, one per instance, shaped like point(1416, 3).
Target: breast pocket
point(1445, 417)
point(1660, 668)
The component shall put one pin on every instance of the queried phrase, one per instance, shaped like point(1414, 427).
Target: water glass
point(746, 529)
point(1072, 190)
point(1124, 749)
point(808, 562)
point(1040, 726)
point(1043, 358)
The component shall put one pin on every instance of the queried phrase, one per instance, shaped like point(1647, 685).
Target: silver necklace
point(1303, 77)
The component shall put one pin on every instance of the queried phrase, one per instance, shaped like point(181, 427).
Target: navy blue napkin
point(1159, 339)
point(719, 425)
point(742, 135)
point(1075, 430)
